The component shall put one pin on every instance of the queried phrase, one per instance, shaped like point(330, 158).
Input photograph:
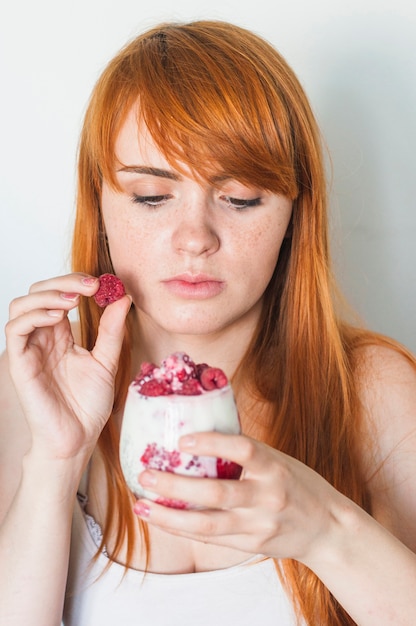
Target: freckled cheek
point(266, 241)
point(262, 248)
point(129, 253)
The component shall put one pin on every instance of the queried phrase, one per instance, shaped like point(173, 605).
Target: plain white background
point(356, 60)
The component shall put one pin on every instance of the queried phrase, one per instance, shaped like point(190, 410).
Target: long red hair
point(219, 98)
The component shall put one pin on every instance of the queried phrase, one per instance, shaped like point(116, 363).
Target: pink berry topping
point(111, 289)
point(154, 387)
point(178, 374)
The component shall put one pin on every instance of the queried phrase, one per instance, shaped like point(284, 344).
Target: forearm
point(34, 544)
point(370, 572)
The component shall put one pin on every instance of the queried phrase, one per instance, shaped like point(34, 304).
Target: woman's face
point(196, 258)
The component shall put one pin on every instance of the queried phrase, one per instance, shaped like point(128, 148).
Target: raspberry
point(199, 368)
point(178, 374)
point(228, 469)
point(154, 388)
point(146, 369)
point(111, 289)
point(191, 387)
point(213, 378)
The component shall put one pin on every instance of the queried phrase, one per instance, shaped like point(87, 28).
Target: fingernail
point(187, 441)
point(141, 509)
point(70, 296)
point(89, 280)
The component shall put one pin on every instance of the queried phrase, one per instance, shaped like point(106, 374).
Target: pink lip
point(194, 286)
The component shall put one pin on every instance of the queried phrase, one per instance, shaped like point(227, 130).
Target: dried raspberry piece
point(191, 387)
point(228, 469)
point(146, 369)
point(213, 378)
point(176, 368)
point(154, 388)
point(111, 289)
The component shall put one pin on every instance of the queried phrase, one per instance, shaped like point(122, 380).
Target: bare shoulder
point(387, 389)
point(14, 437)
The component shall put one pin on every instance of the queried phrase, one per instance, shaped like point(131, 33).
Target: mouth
point(194, 286)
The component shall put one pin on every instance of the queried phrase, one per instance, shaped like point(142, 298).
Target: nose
point(195, 233)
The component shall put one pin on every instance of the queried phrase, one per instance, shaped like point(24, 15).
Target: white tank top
point(249, 594)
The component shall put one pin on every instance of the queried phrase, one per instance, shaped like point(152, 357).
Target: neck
point(224, 349)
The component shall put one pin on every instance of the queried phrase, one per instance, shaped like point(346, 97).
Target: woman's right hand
point(65, 391)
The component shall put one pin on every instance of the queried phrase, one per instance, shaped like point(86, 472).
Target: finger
point(77, 282)
point(111, 333)
point(207, 526)
point(247, 452)
point(43, 300)
point(52, 293)
point(19, 329)
point(211, 493)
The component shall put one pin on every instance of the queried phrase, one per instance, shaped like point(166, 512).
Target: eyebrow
point(152, 171)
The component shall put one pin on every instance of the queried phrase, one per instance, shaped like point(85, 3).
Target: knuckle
point(35, 287)
point(217, 491)
point(278, 495)
point(14, 306)
point(270, 528)
point(282, 473)
point(248, 449)
point(8, 328)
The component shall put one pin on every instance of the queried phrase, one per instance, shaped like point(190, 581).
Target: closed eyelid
point(151, 200)
point(242, 203)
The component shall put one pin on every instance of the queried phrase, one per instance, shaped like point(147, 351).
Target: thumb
point(111, 333)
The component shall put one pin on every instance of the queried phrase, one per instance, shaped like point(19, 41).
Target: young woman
point(201, 186)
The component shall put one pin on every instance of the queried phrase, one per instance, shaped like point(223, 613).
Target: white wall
point(357, 60)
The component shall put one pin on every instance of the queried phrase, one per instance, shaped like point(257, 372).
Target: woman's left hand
point(280, 507)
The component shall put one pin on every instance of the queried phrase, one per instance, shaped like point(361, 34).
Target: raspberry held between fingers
point(110, 290)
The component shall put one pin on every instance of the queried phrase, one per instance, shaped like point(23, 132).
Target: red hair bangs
point(215, 108)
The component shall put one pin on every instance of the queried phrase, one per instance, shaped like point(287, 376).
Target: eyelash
point(241, 203)
point(150, 201)
point(236, 203)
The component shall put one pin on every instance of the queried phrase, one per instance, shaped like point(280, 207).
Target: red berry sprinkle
point(157, 457)
point(111, 289)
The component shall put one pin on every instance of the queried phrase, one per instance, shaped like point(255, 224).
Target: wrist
point(52, 480)
point(356, 562)
point(340, 535)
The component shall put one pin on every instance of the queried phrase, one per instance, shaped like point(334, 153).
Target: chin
point(195, 325)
